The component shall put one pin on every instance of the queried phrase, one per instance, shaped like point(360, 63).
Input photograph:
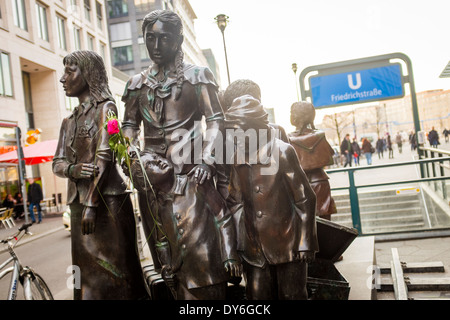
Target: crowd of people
point(351, 152)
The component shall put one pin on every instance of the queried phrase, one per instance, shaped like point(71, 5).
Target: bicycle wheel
point(38, 289)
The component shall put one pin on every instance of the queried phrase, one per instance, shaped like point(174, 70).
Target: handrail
point(354, 202)
point(395, 164)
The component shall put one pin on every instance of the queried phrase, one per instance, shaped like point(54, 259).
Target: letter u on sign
point(358, 81)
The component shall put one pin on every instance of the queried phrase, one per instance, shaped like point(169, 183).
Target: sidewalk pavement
point(51, 222)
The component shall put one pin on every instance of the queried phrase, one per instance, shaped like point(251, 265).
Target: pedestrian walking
point(35, 197)
point(389, 146)
point(433, 138)
point(380, 148)
point(346, 150)
point(446, 133)
point(412, 140)
point(367, 149)
point(356, 151)
point(398, 140)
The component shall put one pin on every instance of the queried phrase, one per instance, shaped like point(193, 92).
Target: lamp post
point(222, 20)
point(294, 68)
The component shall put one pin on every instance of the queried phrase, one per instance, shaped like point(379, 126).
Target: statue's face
point(162, 42)
point(73, 82)
point(157, 169)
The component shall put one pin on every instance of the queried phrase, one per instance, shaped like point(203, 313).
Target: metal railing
point(434, 165)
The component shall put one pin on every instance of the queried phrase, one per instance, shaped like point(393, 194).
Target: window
point(71, 103)
point(98, 8)
point(143, 51)
point(90, 42)
point(120, 31)
point(122, 55)
point(145, 5)
point(117, 8)
point(20, 19)
point(103, 51)
point(5, 76)
point(87, 10)
point(41, 13)
point(77, 37)
point(61, 25)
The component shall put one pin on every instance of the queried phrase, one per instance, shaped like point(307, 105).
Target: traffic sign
point(372, 84)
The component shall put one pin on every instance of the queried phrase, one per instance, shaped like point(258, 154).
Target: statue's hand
point(88, 221)
point(307, 256)
point(233, 267)
point(83, 171)
point(201, 173)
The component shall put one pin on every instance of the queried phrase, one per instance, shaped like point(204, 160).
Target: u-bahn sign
point(364, 85)
point(356, 81)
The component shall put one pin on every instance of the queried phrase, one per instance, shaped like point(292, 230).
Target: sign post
point(358, 81)
point(22, 171)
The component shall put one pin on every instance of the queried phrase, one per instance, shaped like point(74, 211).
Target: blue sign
point(359, 86)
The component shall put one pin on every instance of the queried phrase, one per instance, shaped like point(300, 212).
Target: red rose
point(113, 127)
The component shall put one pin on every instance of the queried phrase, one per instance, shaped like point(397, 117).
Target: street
point(50, 257)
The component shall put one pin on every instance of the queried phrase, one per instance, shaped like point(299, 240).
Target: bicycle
point(34, 286)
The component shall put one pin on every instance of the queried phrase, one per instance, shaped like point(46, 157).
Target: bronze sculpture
point(314, 154)
point(170, 98)
point(103, 225)
point(275, 211)
point(197, 242)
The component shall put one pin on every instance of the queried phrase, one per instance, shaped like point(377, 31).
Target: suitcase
point(156, 284)
point(324, 280)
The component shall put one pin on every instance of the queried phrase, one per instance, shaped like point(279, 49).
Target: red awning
point(36, 153)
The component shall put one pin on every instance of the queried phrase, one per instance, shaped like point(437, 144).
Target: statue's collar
point(154, 69)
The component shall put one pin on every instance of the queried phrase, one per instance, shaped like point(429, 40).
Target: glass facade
point(122, 55)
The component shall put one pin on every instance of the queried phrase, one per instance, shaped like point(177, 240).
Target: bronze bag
point(313, 150)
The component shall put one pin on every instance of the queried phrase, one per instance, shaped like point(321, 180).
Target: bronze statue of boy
point(275, 210)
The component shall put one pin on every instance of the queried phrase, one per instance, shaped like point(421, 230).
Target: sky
point(264, 37)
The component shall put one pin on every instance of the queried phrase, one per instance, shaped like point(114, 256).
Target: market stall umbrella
point(39, 152)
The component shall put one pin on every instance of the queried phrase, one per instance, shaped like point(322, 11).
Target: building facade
point(393, 116)
point(35, 35)
point(128, 50)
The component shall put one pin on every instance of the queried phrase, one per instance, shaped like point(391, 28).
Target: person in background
point(379, 147)
point(35, 197)
point(367, 149)
point(412, 140)
point(433, 137)
point(446, 133)
point(18, 211)
point(389, 146)
point(356, 151)
point(9, 201)
point(346, 150)
point(398, 140)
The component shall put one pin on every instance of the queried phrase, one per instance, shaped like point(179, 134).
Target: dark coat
point(199, 232)
point(34, 193)
point(275, 211)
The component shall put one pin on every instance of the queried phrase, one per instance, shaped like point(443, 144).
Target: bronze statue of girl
point(102, 220)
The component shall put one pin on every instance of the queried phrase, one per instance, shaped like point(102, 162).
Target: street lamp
point(222, 20)
point(294, 68)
